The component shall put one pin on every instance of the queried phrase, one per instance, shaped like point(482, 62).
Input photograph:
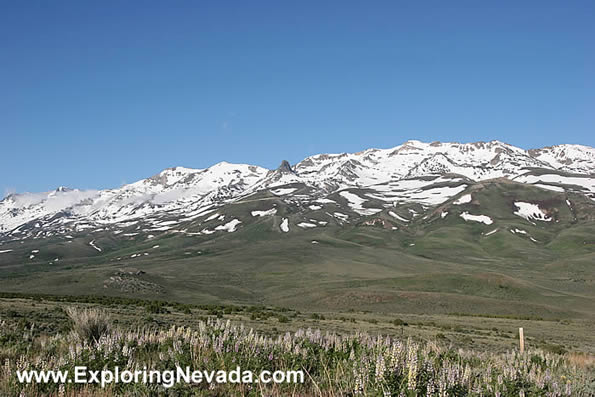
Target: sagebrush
point(336, 365)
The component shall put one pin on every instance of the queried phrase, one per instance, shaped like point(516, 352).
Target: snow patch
point(519, 231)
point(160, 229)
point(165, 223)
point(92, 244)
point(463, 199)
point(126, 224)
point(284, 225)
point(230, 226)
point(529, 211)
point(306, 225)
point(549, 187)
point(212, 217)
point(477, 218)
point(396, 216)
point(325, 201)
point(355, 202)
point(341, 216)
point(272, 211)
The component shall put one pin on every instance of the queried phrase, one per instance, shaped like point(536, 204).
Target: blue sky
point(96, 94)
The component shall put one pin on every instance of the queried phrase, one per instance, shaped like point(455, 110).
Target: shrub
point(283, 319)
point(186, 310)
point(553, 348)
point(156, 307)
point(89, 324)
point(11, 313)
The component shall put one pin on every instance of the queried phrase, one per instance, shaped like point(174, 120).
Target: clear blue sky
point(97, 93)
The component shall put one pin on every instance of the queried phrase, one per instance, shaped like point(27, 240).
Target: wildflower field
point(334, 364)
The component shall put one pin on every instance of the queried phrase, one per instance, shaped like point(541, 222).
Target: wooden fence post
point(521, 340)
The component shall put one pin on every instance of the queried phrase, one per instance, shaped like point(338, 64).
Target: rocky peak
point(285, 168)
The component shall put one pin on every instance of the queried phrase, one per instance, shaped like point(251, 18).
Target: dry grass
point(89, 324)
point(582, 360)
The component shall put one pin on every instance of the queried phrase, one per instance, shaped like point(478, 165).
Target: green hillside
point(421, 262)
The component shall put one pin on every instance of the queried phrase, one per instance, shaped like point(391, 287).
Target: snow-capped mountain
point(571, 158)
point(417, 172)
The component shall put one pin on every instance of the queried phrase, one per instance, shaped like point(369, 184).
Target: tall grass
point(335, 365)
point(89, 325)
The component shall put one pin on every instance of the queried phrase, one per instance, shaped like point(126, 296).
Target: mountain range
point(368, 181)
point(304, 233)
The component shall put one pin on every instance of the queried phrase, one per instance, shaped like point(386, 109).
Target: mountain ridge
point(188, 191)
